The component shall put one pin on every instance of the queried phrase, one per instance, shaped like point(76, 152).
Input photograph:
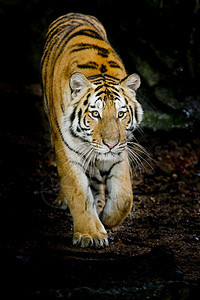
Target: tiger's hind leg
point(61, 201)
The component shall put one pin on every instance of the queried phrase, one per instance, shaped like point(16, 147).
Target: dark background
point(157, 248)
point(160, 40)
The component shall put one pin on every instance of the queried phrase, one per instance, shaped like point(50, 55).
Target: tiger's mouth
point(107, 148)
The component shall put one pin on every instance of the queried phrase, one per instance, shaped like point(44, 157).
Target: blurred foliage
point(158, 39)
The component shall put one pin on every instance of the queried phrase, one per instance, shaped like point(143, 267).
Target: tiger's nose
point(110, 145)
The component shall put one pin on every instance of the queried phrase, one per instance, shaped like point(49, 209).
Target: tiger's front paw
point(114, 212)
point(97, 240)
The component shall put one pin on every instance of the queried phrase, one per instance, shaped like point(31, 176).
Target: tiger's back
point(76, 43)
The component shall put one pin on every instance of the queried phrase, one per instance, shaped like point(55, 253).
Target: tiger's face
point(103, 113)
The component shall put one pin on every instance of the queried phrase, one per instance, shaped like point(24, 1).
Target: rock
point(151, 76)
point(162, 121)
point(166, 96)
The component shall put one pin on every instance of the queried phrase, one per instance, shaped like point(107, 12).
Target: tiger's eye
point(121, 114)
point(95, 114)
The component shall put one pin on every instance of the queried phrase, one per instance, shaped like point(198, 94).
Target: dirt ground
point(154, 254)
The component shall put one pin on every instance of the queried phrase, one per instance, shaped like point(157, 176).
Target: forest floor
point(154, 254)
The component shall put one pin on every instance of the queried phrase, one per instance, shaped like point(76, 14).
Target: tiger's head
point(103, 113)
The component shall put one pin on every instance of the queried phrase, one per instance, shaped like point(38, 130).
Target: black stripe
point(112, 78)
point(85, 102)
point(73, 115)
point(58, 20)
point(107, 173)
point(100, 93)
point(113, 64)
point(96, 81)
point(96, 180)
point(98, 88)
point(96, 78)
point(131, 110)
point(79, 116)
point(84, 122)
point(62, 108)
point(111, 81)
point(115, 93)
point(136, 116)
point(83, 46)
point(103, 69)
point(88, 65)
point(102, 51)
point(87, 99)
point(131, 114)
point(126, 100)
point(73, 133)
point(86, 32)
point(85, 19)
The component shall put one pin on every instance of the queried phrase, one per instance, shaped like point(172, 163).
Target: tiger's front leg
point(120, 196)
point(88, 229)
point(98, 190)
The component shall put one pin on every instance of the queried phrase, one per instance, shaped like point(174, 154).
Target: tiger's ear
point(132, 82)
point(78, 81)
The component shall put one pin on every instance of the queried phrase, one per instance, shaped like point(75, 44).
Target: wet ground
point(154, 254)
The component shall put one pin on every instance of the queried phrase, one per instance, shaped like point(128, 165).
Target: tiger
point(92, 110)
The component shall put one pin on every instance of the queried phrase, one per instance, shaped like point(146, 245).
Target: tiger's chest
point(106, 166)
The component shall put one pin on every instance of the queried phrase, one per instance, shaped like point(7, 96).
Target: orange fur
point(92, 111)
